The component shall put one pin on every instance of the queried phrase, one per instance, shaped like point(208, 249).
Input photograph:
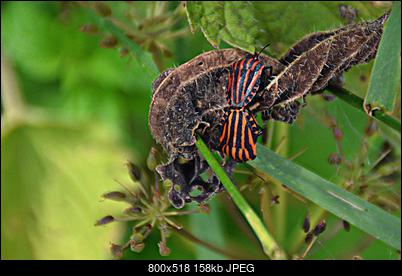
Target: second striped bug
point(239, 133)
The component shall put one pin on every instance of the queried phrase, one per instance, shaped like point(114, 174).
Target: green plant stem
point(358, 103)
point(269, 245)
point(281, 208)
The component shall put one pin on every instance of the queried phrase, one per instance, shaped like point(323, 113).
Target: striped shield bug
point(239, 135)
point(245, 79)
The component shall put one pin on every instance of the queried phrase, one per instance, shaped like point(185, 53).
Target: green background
point(85, 112)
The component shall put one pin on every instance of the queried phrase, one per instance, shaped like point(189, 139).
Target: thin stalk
point(266, 208)
point(238, 219)
point(309, 247)
point(358, 103)
point(269, 245)
point(209, 246)
point(281, 209)
point(298, 235)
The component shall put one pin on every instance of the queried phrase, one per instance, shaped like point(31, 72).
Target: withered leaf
point(298, 77)
point(321, 57)
point(190, 99)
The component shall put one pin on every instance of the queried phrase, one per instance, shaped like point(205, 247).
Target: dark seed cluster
point(190, 100)
point(147, 207)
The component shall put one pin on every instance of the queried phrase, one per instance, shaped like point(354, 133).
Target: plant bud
point(89, 29)
point(309, 237)
point(116, 250)
point(137, 237)
point(337, 132)
point(163, 249)
point(115, 195)
point(108, 42)
point(134, 171)
point(320, 228)
point(346, 225)
point(102, 8)
point(104, 220)
point(148, 230)
point(306, 224)
point(132, 210)
point(335, 158)
point(136, 247)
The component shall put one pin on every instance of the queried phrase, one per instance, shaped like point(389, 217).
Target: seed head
point(163, 249)
point(335, 158)
point(136, 247)
point(346, 225)
point(116, 250)
point(102, 8)
point(132, 210)
point(104, 220)
point(306, 224)
point(134, 171)
point(337, 132)
point(115, 195)
point(309, 237)
point(108, 41)
point(89, 29)
point(320, 228)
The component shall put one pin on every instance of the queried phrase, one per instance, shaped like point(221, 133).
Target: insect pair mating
point(239, 129)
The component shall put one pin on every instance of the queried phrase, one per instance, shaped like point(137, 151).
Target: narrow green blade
point(385, 77)
point(327, 195)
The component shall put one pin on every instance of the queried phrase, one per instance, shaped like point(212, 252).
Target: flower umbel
point(149, 208)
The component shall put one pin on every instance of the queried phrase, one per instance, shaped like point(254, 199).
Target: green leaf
point(247, 25)
point(385, 78)
point(362, 214)
point(230, 21)
point(52, 179)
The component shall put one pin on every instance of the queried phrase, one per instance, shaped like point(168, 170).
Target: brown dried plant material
point(187, 100)
point(190, 99)
point(319, 57)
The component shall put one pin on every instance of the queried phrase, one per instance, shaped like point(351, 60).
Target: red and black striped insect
point(246, 76)
point(239, 129)
point(239, 133)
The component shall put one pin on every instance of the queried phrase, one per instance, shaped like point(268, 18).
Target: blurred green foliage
point(87, 113)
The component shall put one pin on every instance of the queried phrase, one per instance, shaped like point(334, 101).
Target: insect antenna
point(262, 50)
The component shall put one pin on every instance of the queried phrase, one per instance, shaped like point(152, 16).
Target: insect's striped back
point(244, 81)
point(239, 135)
